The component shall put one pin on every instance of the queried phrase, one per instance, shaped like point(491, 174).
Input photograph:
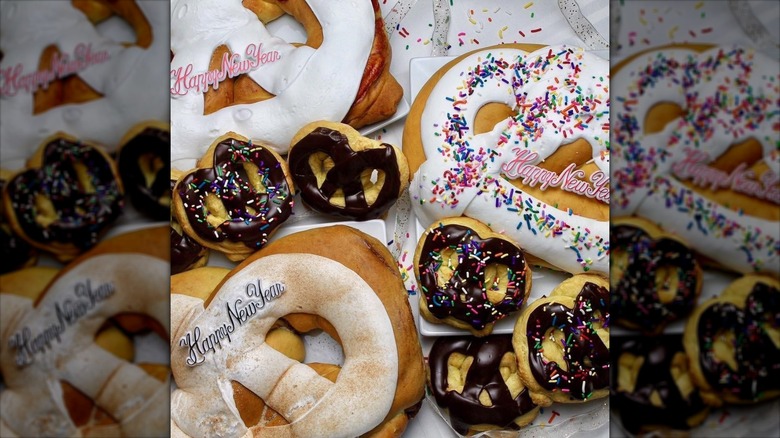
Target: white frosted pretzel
point(52, 340)
point(295, 75)
point(130, 79)
point(557, 95)
point(212, 346)
point(725, 96)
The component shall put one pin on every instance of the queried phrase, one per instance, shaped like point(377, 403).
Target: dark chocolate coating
point(147, 199)
point(474, 254)
point(465, 408)
point(757, 357)
point(635, 408)
point(83, 215)
point(586, 356)
point(185, 251)
point(634, 297)
point(345, 175)
point(228, 181)
point(15, 252)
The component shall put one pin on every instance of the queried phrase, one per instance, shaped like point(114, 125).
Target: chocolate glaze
point(228, 181)
point(464, 407)
point(758, 359)
point(474, 254)
point(147, 199)
point(82, 216)
point(636, 410)
point(185, 251)
point(586, 356)
point(15, 252)
point(345, 175)
point(634, 297)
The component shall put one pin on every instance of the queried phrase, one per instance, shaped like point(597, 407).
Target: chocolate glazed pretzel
point(342, 184)
point(483, 374)
point(144, 162)
point(67, 198)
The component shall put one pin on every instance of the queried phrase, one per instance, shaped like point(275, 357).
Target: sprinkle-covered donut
point(68, 197)
point(340, 172)
point(266, 88)
point(489, 393)
point(144, 162)
point(236, 198)
point(696, 150)
point(655, 278)
point(186, 252)
point(562, 342)
point(538, 170)
point(15, 252)
point(469, 276)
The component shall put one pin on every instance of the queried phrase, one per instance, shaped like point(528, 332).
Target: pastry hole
point(447, 261)
point(660, 115)
point(372, 181)
point(83, 177)
point(552, 347)
point(45, 213)
point(510, 374)
point(655, 399)
point(115, 341)
point(253, 176)
point(489, 115)
point(216, 214)
point(628, 371)
point(723, 348)
point(666, 283)
point(680, 374)
point(496, 282)
point(458, 365)
point(338, 199)
point(150, 165)
point(484, 398)
point(320, 164)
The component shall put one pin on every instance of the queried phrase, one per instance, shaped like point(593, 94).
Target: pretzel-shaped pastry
point(52, 340)
point(67, 198)
point(655, 278)
point(15, 252)
point(539, 170)
point(470, 277)
point(236, 198)
point(144, 163)
point(697, 152)
point(732, 343)
point(332, 166)
point(562, 342)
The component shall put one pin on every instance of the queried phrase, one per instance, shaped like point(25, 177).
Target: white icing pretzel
point(328, 76)
point(728, 95)
point(54, 340)
point(560, 94)
point(131, 79)
point(225, 341)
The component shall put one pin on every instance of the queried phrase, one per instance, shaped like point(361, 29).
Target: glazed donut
point(274, 88)
point(653, 390)
point(655, 278)
point(469, 276)
point(464, 370)
point(15, 252)
point(57, 376)
point(144, 163)
point(732, 343)
point(115, 84)
point(562, 342)
point(66, 199)
point(186, 252)
point(332, 166)
point(236, 198)
point(304, 278)
point(696, 144)
point(550, 105)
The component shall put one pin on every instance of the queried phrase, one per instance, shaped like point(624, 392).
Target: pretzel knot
point(51, 342)
point(222, 340)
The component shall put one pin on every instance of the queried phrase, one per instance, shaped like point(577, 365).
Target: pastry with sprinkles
point(517, 136)
point(186, 252)
point(655, 278)
point(469, 276)
point(731, 341)
point(15, 252)
point(562, 342)
point(695, 145)
point(235, 198)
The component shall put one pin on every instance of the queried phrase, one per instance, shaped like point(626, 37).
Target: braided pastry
point(59, 380)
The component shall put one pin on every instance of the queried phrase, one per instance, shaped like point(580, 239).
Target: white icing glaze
point(464, 174)
point(729, 94)
point(131, 81)
point(32, 403)
point(309, 84)
point(358, 401)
